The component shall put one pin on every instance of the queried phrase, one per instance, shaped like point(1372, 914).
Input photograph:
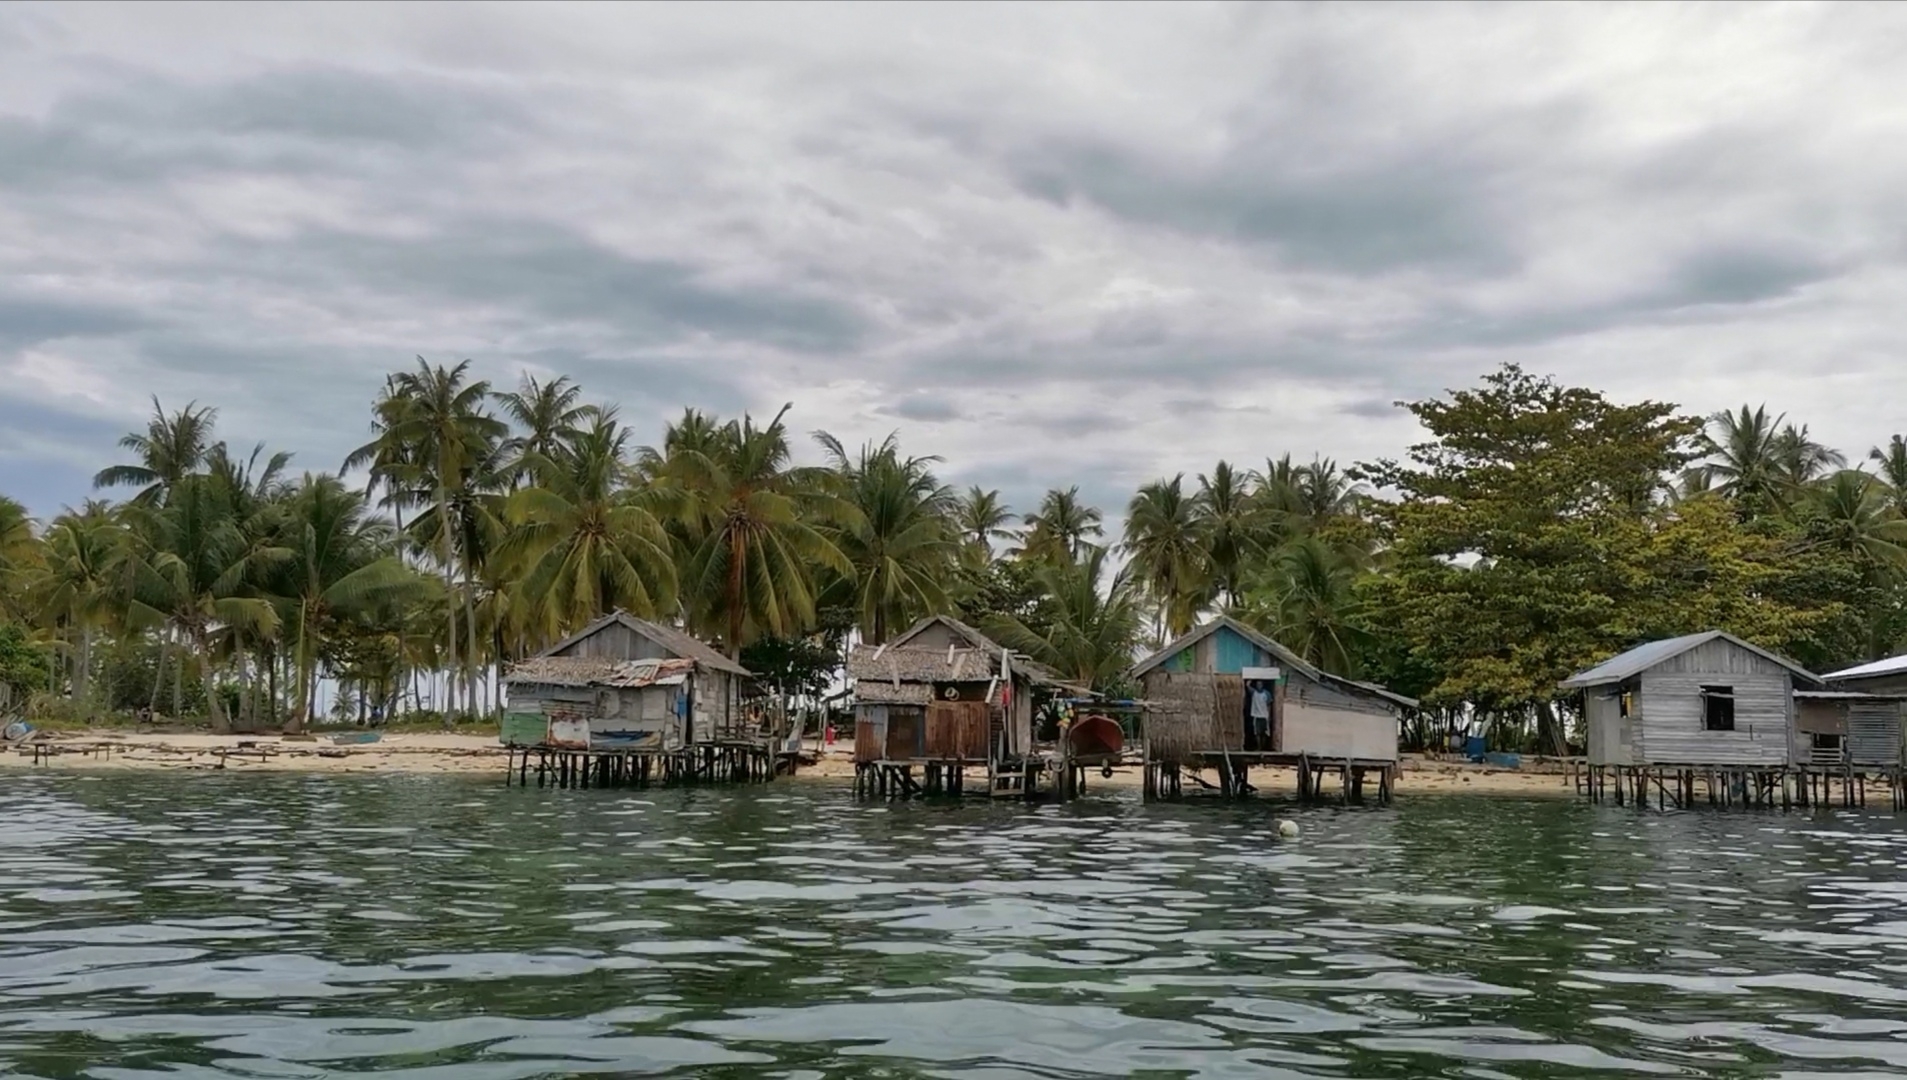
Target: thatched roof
point(875, 692)
point(599, 671)
point(891, 664)
point(668, 637)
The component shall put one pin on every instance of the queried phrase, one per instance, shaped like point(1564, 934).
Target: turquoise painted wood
point(1234, 654)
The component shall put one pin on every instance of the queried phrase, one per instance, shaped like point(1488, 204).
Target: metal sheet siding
point(1670, 726)
point(1874, 731)
point(1301, 691)
point(1337, 734)
point(617, 642)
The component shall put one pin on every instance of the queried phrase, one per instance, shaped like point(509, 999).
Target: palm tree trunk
point(300, 716)
point(158, 675)
point(470, 639)
point(178, 683)
point(83, 670)
point(735, 549)
point(450, 586)
point(214, 708)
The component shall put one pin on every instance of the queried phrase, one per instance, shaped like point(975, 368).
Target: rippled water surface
point(258, 926)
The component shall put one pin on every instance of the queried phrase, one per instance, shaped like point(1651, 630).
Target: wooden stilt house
point(1707, 699)
point(1873, 701)
point(627, 683)
point(1225, 696)
point(942, 693)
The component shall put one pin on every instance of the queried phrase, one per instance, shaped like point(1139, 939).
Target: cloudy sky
point(1055, 245)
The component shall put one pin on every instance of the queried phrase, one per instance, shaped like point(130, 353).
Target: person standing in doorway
point(1260, 717)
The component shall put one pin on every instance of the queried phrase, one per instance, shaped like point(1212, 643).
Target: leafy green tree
point(1510, 530)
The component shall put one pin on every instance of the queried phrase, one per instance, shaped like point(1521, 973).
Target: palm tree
point(171, 448)
point(897, 531)
point(1061, 527)
point(1167, 541)
point(1324, 493)
point(83, 583)
point(1278, 488)
point(1743, 458)
point(436, 445)
point(549, 416)
point(341, 562)
point(195, 573)
point(1235, 523)
point(1857, 519)
point(1307, 600)
point(1802, 459)
point(982, 518)
point(1095, 622)
point(745, 519)
point(581, 541)
point(1893, 471)
point(19, 551)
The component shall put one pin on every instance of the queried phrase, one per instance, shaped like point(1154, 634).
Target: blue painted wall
point(1233, 654)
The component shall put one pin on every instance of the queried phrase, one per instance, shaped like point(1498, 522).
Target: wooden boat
point(1094, 739)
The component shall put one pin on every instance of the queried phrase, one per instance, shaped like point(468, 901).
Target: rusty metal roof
point(598, 671)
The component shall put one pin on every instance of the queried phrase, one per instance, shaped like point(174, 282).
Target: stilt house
point(1198, 692)
point(1872, 701)
point(627, 683)
point(1702, 699)
point(942, 692)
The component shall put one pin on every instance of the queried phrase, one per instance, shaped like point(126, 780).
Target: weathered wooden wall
point(1670, 728)
point(958, 729)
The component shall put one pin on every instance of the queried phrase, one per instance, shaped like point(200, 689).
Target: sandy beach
point(471, 753)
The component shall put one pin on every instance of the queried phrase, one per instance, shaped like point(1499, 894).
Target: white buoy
point(1287, 828)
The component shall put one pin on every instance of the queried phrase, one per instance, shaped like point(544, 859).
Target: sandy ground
point(1419, 776)
point(420, 753)
point(450, 753)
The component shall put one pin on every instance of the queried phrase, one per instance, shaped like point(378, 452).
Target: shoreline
point(429, 753)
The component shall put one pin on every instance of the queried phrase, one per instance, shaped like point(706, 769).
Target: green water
point(258, 926)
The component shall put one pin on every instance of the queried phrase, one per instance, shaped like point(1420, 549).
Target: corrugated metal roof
point(1893, 665)
point(1647, 655)
point(599, 671)
point(668, 637)
point(1285, 656)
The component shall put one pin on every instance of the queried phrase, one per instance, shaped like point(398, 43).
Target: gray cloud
point(1228, 232)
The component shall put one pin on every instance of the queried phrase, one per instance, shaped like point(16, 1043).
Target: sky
point(1054, 245)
